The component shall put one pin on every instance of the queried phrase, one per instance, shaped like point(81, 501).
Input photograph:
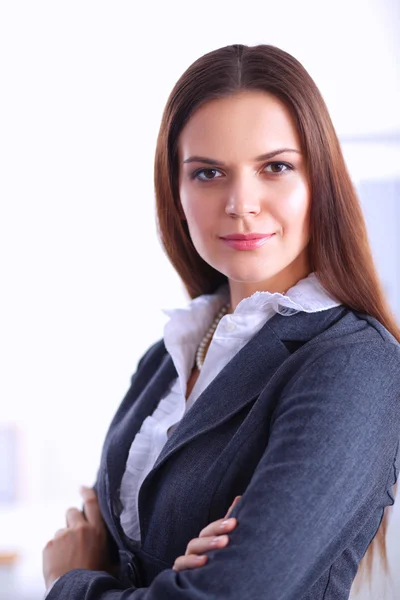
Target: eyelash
point(196, 173)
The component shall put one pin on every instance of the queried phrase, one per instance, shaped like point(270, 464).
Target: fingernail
point(221, 539)
point(227, 522)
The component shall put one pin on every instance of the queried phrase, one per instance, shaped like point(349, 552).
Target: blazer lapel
point(244, 377)
point(237, 384)
point(126, 429)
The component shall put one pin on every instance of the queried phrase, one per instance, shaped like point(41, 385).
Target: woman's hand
point(211, 537)
point(81, 545)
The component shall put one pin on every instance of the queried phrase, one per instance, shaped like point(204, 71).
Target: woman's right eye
point(196, 174)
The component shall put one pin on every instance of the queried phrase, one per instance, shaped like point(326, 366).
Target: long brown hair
point(339, 248)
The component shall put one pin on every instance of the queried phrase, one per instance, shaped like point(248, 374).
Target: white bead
point(201, 349)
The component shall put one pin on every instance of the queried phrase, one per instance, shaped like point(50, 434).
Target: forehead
point(248, 123)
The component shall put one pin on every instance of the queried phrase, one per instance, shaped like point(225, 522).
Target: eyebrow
point(212, 161)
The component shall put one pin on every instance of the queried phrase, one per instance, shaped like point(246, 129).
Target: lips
point(247, 237)
point(247, 244)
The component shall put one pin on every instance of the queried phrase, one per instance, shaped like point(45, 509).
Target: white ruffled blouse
point(182, 336)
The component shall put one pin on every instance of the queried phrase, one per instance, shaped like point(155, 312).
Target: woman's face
point(227, 186)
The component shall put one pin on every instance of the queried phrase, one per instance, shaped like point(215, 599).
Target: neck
point(280, 283)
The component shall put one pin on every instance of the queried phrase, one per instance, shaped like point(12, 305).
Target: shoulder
point(353, 366)
point(355, 341)
point(371, 327)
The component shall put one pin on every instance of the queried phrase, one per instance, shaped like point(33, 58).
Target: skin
point(212, 537)
point(244, 194)
point(82, 544)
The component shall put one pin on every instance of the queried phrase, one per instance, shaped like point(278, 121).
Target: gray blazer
point(304, 423)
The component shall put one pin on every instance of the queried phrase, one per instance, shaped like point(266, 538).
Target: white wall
point(83, 86)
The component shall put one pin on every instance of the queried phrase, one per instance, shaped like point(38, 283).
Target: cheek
point(294, 208)
point(196, 218)
point(188, 201)
point(196, 208)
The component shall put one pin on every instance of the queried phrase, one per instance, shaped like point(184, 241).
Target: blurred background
point(83, 276)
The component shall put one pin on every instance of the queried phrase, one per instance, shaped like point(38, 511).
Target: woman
point(278, 383)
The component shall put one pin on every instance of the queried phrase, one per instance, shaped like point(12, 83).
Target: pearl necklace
point(201, 351)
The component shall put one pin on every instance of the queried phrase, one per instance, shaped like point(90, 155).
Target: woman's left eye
point(279, 164)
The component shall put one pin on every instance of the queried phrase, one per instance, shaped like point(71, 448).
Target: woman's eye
point(277, 168)
point(278, 164)
point(207, 172)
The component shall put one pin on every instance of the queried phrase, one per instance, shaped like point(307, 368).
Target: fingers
point(91, 506)
point(211, 537)
point(87, 492)
point(219, 527)
point(74, 517)
point(200, 545)
point(189, 562)
point(193, 557)
point(232, 506)
point(91, 511)
point(60, 532)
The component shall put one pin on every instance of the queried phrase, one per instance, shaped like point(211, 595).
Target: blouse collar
point(306, 295)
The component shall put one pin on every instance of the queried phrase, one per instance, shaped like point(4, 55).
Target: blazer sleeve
point(329, 462)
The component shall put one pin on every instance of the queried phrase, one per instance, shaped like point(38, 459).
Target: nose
point(243, 196)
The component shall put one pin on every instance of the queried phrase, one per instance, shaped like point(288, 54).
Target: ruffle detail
point(143, 453)
point(307, 295)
